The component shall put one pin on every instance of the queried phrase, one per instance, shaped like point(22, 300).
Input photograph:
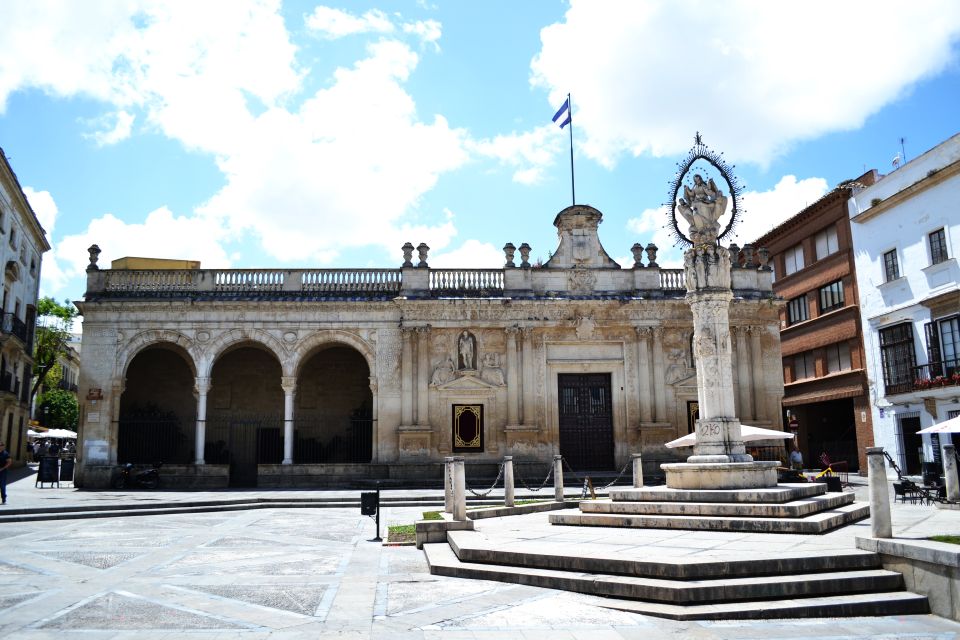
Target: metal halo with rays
point(700, 151)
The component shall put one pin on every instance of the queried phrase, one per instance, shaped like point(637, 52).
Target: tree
point(54, 321)
point(59, 409)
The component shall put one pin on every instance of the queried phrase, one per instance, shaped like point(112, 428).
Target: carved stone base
point(415, 441)
point(521, 439)
point(724, 475)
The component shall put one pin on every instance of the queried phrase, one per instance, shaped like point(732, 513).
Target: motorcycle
point(145, 478)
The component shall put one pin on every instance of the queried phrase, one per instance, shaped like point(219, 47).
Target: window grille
point(898, 356)
point(890, 265)
point(938, 247)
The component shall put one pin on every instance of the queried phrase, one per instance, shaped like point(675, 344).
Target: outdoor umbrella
point(949, 426)
point(748, 433)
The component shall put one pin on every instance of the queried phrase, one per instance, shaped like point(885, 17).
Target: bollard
point(880, 525)
point(459, 489)
point(558, 478)
point(637, 471)
point(508, 481)
point(950, 478)
point(448, 484)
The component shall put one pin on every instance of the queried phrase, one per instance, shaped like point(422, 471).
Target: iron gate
point(586, 421)
point(243, 441)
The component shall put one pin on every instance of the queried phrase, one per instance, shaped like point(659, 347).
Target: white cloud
point(428, 31)
point(763, 210)
point(44, 206)
point(529, 153)
point(334, 23)
point(111, 128)
point(160, 235)
point(754, 77)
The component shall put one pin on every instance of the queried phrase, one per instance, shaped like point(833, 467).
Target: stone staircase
point(784, 508)
point(847, 583)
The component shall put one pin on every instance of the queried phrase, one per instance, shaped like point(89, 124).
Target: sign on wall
point(468, 428)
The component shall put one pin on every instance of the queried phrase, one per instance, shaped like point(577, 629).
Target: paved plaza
point(314, 573)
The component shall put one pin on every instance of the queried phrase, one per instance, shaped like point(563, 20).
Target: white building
point(906, 234)
point(22, 243)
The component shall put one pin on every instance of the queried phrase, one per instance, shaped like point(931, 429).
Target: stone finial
point(764, 258)
point(734, 254)
point(748, 256)
point(407, 249)
point(94, 251)
point(524, 256)
point(637, 251)
point(652, 255)
point(422, 250)
point(508, 252)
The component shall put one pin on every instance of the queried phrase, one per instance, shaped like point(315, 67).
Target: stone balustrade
point(419, 282)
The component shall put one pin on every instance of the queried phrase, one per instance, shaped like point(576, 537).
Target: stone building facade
point(320, 377)
point(826, 392)
point(22, 244)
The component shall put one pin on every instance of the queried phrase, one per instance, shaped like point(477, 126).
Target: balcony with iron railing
point(936, 375)
point(11, 325)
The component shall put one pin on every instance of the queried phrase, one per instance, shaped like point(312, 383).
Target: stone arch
point(233, 337)
point(156, 337)
point(329, 337)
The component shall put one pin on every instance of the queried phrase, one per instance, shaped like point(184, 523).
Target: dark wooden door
point(243, 453)
point(586, 421)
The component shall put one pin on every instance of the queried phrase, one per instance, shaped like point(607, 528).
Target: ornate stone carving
point(586, 327)
point(407, 249)
point(524, 256)
point(443, 372)
point(422, 250)
point(94, 252)
point(508, 252)
point(652, 255)
point(492, 371)
point(702, 206)
point(466, 351)
point(581, 280)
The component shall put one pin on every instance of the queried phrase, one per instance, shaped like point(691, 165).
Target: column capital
point(512, 331)
point(423, 329)
point(202, 385)
point(118, 386)
point(658, 332)
point(644, 331)
point(373, 383)
point(288, 384)
point(755, 329)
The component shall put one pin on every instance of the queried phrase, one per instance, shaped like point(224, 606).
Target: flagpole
point(573, 190)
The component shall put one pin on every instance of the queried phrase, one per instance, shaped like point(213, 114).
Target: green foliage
point(54, 321)
point(946, 538)
point(432, 515)
point(58, 409)
point(401, 533)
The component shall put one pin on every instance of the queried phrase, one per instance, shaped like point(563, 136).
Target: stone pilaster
point(659, 389)
point(423, 376)
point(406, 376)
point(527, 383)
point(744, 379)
point(643, 374)
point(759, 379)
point(512, 377)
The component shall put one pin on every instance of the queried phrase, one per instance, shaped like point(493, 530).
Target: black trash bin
point(833, 484)
point(368, 503)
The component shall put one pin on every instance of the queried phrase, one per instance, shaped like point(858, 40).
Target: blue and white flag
point(562, 116)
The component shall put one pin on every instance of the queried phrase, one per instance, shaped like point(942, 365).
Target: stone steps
point(835, 584)
point(794, 509)
point(784, 492)
point(814, 523)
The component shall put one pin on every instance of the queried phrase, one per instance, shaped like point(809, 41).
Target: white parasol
point(748, 433)
point(947, 426)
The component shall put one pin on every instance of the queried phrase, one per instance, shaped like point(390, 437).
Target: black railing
point(936, 374)
point(67, 386)
point(12, 325)
point(322, 441)
point(8, 383)
point(146, 438)
point(244, 439)
point(777, 453)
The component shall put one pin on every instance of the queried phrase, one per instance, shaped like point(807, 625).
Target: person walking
point(5, 463)
point(796, 459)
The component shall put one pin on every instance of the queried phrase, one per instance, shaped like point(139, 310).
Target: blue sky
point(298, 134)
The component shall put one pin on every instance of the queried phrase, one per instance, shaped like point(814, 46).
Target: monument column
point(643, 373)
point(658, 377)
point(374, 422)
point(289, 386)
point(423, 375)
point(512, 377)
point(406, 377)
point(202, 388)
point(526, 382)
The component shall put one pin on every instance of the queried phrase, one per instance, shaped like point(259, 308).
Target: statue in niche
point(492, 371)
point(443, 372)
point(678, 369)
point(702, 207)
point(467, 352)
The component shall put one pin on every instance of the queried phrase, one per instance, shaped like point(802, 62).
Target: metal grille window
point(826, 242)
point(898, 356)
point(797, 310)
point(890, 265)
point(938, 247)
point(838, 357)
point(793, 259)
point(831, 296)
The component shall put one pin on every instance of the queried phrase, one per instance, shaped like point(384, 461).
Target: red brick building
point(826, 394)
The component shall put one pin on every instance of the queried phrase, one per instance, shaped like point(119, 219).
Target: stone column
point(406, 377)
point(658, 380)
point(526, 382)
point(744, 379)
point(448, 484)
point(558, 478)
point(202, 387)
point(508, 481)
point(423, 375)
point(758, 380)
point(637, 471)
point(949, 457)
point(512, 377)
point(289, 386)
point(459, 489)
point(374, 420)
point(880, 523)
point(643, 373)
